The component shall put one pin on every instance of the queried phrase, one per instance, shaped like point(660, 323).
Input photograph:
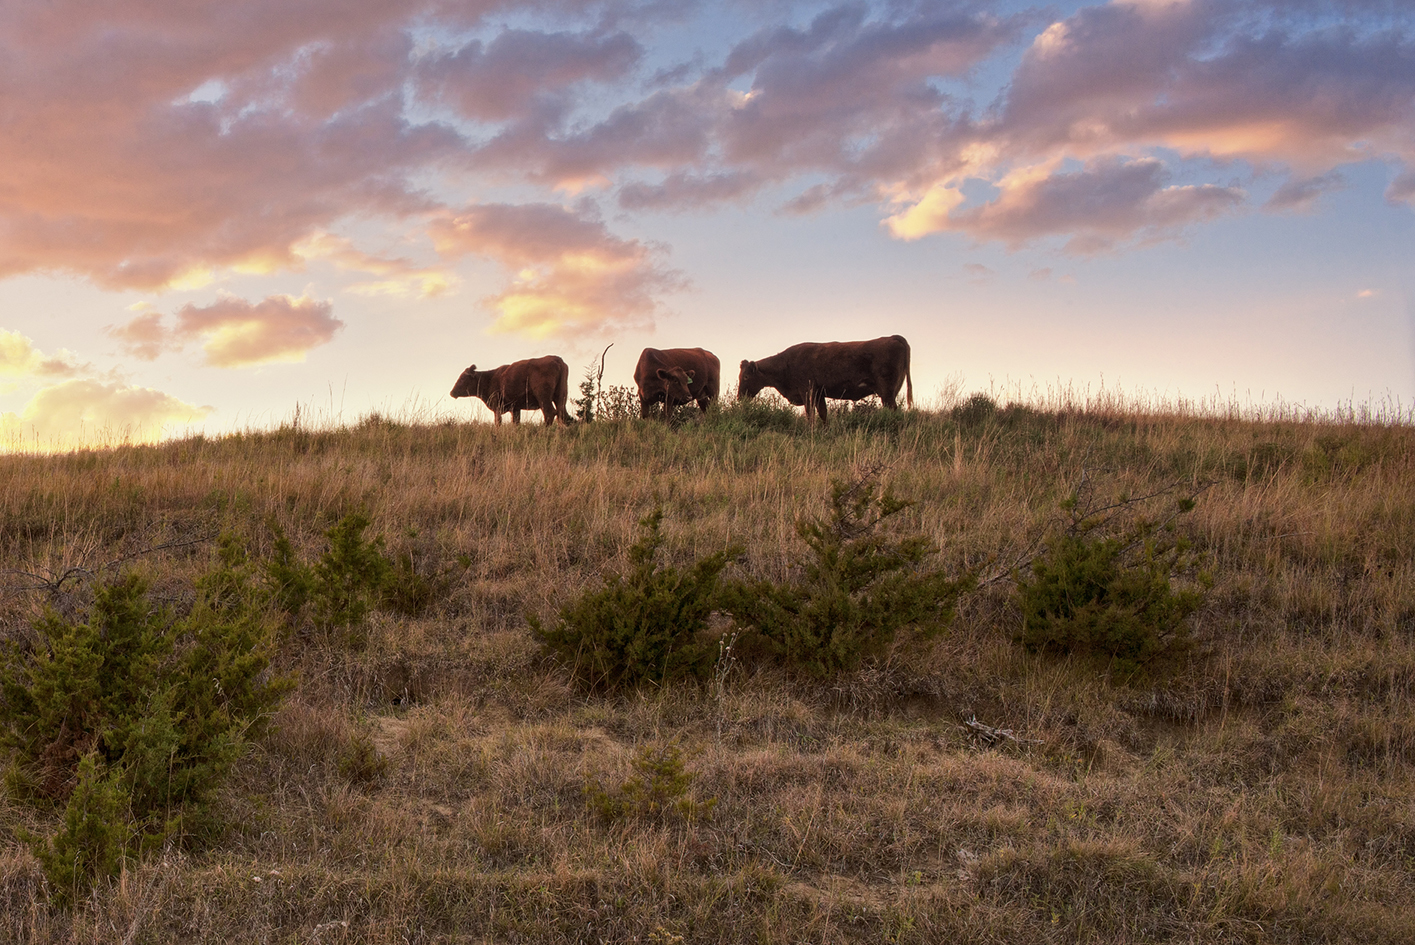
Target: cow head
point(468, 384)
point(677, 385)
point(750, 381)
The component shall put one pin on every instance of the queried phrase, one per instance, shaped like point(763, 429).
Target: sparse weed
point(359, 761)
point(658, 787)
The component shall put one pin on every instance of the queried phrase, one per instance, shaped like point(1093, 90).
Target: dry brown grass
point(1263, 794)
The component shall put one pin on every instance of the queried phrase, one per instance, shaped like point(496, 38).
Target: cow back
point(842, 370)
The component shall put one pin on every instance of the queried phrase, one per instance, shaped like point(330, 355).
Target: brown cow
point(806, 374)
point(676, 376)
point(538, 384)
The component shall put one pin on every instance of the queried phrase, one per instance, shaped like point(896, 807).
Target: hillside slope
point(438, 779)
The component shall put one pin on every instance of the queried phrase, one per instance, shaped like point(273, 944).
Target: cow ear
point(662, 374)
point(692, 374)
point(472, 368)
point(745, 363)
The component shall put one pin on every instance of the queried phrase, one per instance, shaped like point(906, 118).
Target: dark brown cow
point(676, 376)
point(806, 374)
point(538, 384)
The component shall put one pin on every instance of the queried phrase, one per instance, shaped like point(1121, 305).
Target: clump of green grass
point(659, 787)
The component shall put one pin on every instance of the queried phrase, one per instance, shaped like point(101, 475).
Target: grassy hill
point(435, 777)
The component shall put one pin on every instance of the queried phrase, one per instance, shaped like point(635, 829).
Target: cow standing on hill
point(676, 376)
point(537, 384)
point(806, 374)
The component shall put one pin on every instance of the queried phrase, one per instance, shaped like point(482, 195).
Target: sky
point(214, 212)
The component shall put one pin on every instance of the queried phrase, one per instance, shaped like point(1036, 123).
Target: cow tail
point(562, 393)
point(909, 386)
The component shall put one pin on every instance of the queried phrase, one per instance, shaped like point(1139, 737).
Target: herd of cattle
point(805, 374)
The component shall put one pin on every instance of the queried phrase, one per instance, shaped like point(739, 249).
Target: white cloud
point(85, 411)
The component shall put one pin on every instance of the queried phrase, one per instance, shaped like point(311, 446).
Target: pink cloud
point(851, 95)
point(234, 332)
point(154, 143)
point(1194, 77)
point(570, 274)
point(687, 191)
point(1100, 207)
point(1302, 194)
point(114, 173)
point(847, 95)
point(500, 80)
point(1402, 189)
point(144, 337)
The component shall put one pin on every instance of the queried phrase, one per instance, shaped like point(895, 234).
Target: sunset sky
point(212, 211)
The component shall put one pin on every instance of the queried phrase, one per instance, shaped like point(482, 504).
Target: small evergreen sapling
point(856, 589)
point(348, 580)
point(648, 627)
point(132, 718)
point(1103, 587)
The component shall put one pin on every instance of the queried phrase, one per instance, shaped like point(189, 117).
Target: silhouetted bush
point(762, 414)
point(975, 410)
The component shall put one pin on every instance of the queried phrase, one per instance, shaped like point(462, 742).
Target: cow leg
point(497, 417)
point(888, 392)
point(516, 416)
point(645, 408)
point(820, 406)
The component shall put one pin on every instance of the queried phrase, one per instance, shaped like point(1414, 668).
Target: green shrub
point(855, 591)
point(977, 409)
point(93, 836)
point(417, 577)
point(291, 583)
point(349, 577)
point(659, 786)
point(1109, 596)
point(136, 710)
point(646, 628)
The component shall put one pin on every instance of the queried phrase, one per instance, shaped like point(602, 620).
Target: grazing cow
point(676, 376)
point(538, 384)
point(806, 374)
